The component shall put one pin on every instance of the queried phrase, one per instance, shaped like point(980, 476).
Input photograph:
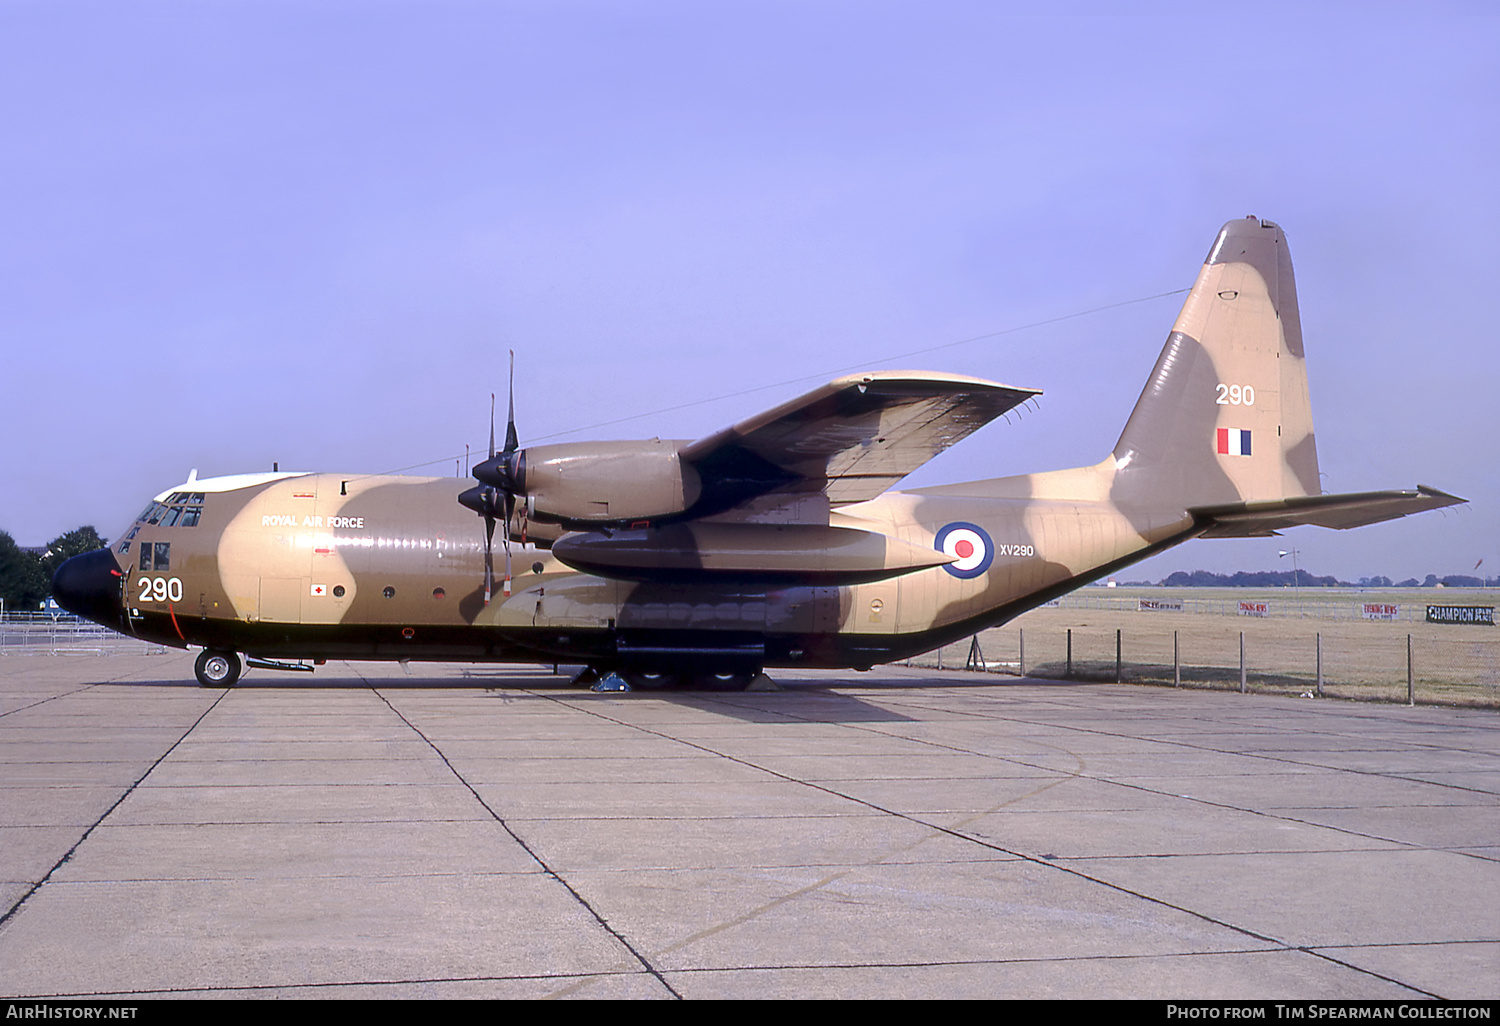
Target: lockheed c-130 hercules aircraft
point(773, 543)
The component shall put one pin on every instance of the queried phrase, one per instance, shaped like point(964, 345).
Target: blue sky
point(239, 233)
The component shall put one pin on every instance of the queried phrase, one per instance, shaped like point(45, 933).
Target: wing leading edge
point(851, 439)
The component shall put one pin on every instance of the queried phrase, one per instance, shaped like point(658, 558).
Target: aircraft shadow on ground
point(813, 700)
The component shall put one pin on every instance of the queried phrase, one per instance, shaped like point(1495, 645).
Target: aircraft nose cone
point(89, 585)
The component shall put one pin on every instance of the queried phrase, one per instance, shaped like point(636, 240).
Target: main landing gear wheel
point(640, 681)
point(728, 681)
point(217, 669)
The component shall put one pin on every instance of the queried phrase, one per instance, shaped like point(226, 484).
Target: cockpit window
point(156, 555)
point(169, 516)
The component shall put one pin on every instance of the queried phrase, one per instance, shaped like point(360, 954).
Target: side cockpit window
point(156, 555)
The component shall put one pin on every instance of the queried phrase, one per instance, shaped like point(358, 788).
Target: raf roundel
point(969, 545)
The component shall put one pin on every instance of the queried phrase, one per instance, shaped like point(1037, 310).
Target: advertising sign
point(1171, 605)
point(1380, 611)
point(1255, 608)
point(1462, 614)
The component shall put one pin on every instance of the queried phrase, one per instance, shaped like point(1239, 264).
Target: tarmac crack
point(1457, 850)
point(65, 694)
point(532, 852)
point(956, 830)
point(260, 988)
point(67, 856)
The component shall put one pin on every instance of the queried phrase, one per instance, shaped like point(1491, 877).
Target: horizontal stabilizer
point(1353, 509)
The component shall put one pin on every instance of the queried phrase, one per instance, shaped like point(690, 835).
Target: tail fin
point(1225, 415)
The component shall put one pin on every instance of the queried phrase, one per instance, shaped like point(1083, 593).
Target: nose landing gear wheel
point(217, 669)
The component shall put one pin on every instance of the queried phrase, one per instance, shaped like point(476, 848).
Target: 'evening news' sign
point(1172, 605)
point(1255, 608)
point(1380, 611)
point(1461, 614)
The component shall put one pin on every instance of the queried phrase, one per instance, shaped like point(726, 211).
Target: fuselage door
point(281, 599)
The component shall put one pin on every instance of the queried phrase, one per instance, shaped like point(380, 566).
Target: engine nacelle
point(590, 483)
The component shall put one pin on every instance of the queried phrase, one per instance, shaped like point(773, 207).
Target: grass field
point(1361, 659)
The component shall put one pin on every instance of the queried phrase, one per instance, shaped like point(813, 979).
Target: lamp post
point(1296, 576)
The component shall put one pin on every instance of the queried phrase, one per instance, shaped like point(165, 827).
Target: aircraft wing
point(1353, 509)
point(851, 439)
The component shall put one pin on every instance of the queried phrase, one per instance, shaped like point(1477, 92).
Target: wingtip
point(921, 377)
point(1438, 493)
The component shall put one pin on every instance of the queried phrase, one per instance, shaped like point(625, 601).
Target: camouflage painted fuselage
point(772, 543)
point(321, 566)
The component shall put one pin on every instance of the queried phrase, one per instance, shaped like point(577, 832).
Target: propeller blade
point(489, 558)
point(487, 503)
point(510, 507)
point(512, 443)
point(494, 496)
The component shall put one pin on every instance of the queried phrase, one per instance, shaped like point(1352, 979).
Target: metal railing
point(1392, 660)
point(64, 634)
point(1406, 606)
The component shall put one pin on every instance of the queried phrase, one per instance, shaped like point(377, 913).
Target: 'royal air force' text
point(328, 523)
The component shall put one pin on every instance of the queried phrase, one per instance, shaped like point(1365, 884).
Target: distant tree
point(1249, 579)
point(66, 546)
point(1410, 582)
point(1431, 581)
point(23, 584)
point(1462, 581)
point(26, 578)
